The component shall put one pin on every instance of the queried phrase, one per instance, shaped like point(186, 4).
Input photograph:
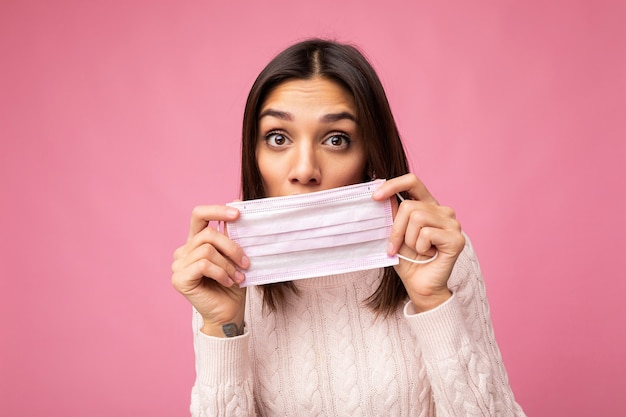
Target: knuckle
point(179, 253)
point(177, 281)
point(447, 211)
point(454, 225)
point(417, 217)
point(196, 212)
point(175, 266)
point(204, 266)
point(406, 207)
point(426, 234)
point(460, 241)
point(212, 271)
point(208, 250)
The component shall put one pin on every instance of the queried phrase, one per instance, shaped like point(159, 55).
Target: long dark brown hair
point(346, 65)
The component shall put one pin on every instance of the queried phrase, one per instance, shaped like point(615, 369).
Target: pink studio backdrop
point(117, 117)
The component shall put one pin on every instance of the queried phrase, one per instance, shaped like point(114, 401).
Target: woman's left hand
point(421, 228)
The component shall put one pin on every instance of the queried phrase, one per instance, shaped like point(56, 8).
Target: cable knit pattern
point(325, 354)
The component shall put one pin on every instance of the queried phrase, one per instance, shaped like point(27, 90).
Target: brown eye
point(338, 141)
point(276, 139)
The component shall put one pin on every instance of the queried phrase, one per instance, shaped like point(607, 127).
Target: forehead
point(303, 94)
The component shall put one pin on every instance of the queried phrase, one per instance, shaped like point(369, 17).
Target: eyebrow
point(276, 113)
point(334, 117)
point(327, 118)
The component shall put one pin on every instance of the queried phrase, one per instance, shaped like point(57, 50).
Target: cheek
point(262, 161)
point(358, 167)
point(346, 172)
point(269, 173)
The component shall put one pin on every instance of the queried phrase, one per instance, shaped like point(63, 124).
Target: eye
point(276, 139)
point(338, 141)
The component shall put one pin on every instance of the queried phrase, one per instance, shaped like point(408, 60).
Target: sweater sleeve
point(223, 385)
point(459, 349)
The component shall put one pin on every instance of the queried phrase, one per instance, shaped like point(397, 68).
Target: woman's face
point(309, 139)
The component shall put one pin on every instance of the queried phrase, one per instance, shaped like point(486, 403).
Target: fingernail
point(239, 277)
point(245, 262)
point(376, 194)
point(232, 212)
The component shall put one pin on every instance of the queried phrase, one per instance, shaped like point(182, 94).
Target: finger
point(212, 271)
point(409, 183)
point(448, 242)
point(416, 257)
point(190, 278)
point(434, 244)
point(211, 254)
point(222, 243)
point(424, 241)
point(412, 216)
point(202, 215)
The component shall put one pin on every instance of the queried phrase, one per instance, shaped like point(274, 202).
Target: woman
point(409, 340)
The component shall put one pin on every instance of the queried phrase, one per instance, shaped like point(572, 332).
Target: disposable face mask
point(308, 235)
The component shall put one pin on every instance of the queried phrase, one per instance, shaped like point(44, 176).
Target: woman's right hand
point(205, 270)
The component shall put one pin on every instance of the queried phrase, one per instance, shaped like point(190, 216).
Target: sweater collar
point(338, 280)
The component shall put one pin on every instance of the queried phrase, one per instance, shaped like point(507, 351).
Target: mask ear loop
point(415, 261)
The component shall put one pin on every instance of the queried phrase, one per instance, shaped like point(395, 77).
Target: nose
point(305, 167)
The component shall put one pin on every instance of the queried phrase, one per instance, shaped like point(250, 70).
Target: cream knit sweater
point(325, 354)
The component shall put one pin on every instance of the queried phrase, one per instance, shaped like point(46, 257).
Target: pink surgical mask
point(308, 235)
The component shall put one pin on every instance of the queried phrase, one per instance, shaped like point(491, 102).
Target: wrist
point(228, 327)
point(423, 303)
point(231, 329)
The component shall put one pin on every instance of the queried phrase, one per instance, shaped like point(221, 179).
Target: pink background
point(117, 117)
